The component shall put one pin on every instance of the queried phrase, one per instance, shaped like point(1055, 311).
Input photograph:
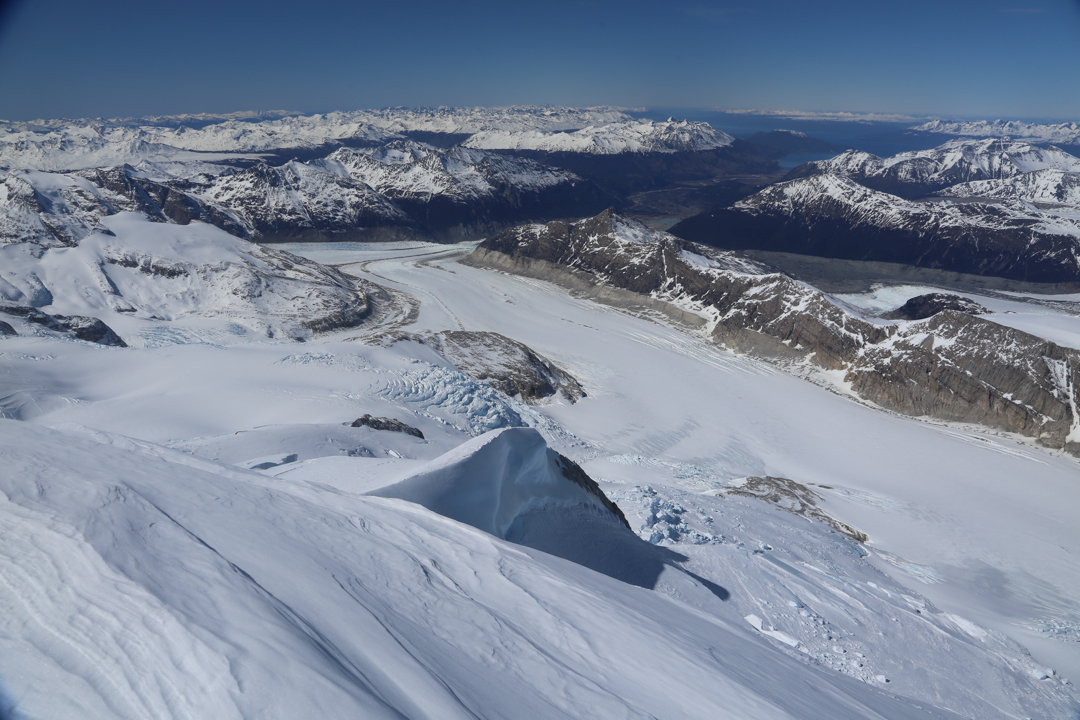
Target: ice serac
point(952, 366)
point(493, 481)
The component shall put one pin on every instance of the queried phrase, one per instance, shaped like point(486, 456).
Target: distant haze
point(991, 58)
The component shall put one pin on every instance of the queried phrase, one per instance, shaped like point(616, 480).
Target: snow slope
point(149, 584)
point(161, 582)
point(132, 274)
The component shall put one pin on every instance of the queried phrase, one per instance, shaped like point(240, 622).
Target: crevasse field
point(185, 529)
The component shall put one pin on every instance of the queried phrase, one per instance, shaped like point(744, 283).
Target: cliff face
point(950, 366)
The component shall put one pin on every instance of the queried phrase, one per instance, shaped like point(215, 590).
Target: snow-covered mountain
point(195, 527)
point(300, 201)
point(957, 161)
point(1041, 186)
point(459, 192)
point(1059, 133)
point(69, 145)
point(975, 370)
point(836, 216)
point(636, 136)
point(399, 190)
point(857, 206)
point(133, 273)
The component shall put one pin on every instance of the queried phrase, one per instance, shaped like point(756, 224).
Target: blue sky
point(953, 58)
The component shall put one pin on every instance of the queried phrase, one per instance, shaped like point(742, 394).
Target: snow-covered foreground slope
point(149, 584)
point(186, 587)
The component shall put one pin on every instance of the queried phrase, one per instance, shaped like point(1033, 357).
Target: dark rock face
point(381, 423)
point(79, 327)
point(6, 330)
point(573, 472)
point(507, 365)
point(952, 366)
point(924, 306)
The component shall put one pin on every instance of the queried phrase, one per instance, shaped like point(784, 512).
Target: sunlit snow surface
point(153, 581)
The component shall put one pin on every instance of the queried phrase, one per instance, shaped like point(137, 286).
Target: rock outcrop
point(79, 327)
point(390, 424)
point(952, 366)
point(507, 365)
point(924, 306)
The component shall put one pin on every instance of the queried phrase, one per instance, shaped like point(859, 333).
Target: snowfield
point(191, 527)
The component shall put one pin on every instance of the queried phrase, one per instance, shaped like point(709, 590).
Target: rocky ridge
point(400, 190)
point(857, 206)
point(637, 136)
point(952, 366)
point(507, 365)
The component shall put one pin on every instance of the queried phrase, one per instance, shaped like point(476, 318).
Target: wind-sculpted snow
point(140, 582)
point(70, 145)
point(133, 270)
point(951, 366)
point(638, 136)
